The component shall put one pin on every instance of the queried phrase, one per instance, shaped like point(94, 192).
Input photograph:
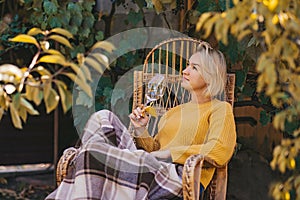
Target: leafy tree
point(44, 79)
point(272, 26)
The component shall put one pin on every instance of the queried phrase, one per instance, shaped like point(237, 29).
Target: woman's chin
point(185, 85)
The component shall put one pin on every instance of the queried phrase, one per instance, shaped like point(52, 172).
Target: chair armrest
point(192, 174)
point(64, 163)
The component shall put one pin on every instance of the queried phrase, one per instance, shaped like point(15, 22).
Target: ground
point(249, 178)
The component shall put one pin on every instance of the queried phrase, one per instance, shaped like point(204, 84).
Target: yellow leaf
point(271, 78)
point(202, 19)
point(235, 2)
point(209, 24)
point(54, 59)
point(1, 112)
point(263, 62)
point(35, 31)
point(243, 33)
point(273, 4)
point(151, 110)
point(37, 95)
point(158, 6)
point(218, 29)
point(86, 71)
point(275, 19)
point(29, 107)
point(65, 95)
point(42, 71)
point(77, 71)
point(15, 117)
point(292, 163)
point(46, 87)
point(97, 63)
point(109, 47)
point(267, 37)
point(52, 101)
point(53, 52)
point(61, 40)
point(25, 39)
point(83, 85)
point(23, 113)
point(61, 31)
point(279, 120)
point(225, 32)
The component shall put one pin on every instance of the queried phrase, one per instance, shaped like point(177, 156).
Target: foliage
point(75, 16)
point(45, 77)
point(274, 26)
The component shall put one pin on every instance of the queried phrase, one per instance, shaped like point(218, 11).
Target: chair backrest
point(169, 58)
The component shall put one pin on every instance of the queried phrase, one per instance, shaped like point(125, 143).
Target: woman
point(109, 165)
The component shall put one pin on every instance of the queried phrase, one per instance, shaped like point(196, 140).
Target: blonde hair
point(213, 70)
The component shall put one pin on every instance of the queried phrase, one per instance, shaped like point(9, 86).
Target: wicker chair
point(169, 58)
point(173, 53)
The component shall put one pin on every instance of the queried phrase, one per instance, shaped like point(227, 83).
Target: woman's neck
point(200, 98)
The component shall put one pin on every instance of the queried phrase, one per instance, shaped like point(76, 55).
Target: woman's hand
point(163, 155)
point(138, 117)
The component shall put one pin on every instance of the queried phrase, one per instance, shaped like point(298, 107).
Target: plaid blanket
point(109, 167)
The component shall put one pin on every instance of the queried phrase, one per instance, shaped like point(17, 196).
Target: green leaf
point(54, 21)
point(77, 20)
point(84, 99)
point(49, 8)
point(88, 5)
point(99, 36)
point(52, 101)
point(240, 78)
point(61, 40)
point(16, 100)
point(134, 17)
point(73, 8)
point(89, 21)
point(264, 118)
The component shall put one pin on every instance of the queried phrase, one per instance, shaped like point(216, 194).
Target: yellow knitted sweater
point(207, 129)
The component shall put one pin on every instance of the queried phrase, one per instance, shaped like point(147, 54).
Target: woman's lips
point(185, 79)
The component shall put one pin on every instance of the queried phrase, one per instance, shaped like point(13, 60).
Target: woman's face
point(192, 79)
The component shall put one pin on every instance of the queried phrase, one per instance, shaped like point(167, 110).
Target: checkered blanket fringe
point(109, 167)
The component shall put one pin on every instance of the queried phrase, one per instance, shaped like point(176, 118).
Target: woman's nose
point(185, 71)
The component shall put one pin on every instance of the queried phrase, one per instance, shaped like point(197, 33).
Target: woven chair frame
point(154, 63)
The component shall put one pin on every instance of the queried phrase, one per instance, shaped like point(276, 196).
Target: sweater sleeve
point(147, 142)
point(219, 143)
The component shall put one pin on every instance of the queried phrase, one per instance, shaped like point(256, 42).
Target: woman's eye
point(195, 68)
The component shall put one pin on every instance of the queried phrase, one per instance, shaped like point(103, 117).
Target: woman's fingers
point(138, 117)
